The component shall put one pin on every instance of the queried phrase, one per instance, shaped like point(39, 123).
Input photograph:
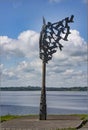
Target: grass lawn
point(8, 117)
point(82, 116)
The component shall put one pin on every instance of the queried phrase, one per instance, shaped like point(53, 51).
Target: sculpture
point(50, 37)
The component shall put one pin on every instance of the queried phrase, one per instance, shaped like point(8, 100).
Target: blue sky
point(19, 15)
point(20, 24)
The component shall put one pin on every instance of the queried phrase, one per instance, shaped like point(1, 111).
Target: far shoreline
point(30, 88)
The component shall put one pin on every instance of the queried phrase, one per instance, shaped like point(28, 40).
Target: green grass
point(82, 116)
point(10, 117)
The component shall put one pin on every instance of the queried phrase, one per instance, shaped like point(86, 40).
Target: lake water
point(27, 102)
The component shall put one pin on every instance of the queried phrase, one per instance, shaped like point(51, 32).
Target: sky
point(20, 26)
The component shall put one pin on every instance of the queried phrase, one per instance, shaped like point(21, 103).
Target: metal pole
point(43, 111)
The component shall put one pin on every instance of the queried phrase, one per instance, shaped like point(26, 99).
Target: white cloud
point(22, 65)
point(1, 66)
point(4, 39)
point(25, 46)
point(67, 67)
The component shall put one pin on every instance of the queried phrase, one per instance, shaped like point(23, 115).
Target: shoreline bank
point(53, 122)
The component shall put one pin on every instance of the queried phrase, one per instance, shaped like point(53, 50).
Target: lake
point(58, 102)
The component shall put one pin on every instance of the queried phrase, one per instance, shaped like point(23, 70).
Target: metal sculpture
point(50, 37)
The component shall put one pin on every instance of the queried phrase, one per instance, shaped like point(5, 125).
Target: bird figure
point(60, 46)
point(52, 47)
point(71, 19)
point(68, 30)
point(65, 38)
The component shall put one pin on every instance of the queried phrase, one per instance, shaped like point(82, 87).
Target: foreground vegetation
point(9, 117)
point(82, 116)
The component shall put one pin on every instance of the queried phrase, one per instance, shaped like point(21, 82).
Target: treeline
point(29, 88)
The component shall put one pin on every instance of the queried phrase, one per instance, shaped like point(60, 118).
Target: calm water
point(27, 102)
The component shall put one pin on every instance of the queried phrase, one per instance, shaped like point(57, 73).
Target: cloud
point(10, 47)
point(69, 67)
point(7, 74)
point(75, 48)
point(23, 67)
point(23, 46)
